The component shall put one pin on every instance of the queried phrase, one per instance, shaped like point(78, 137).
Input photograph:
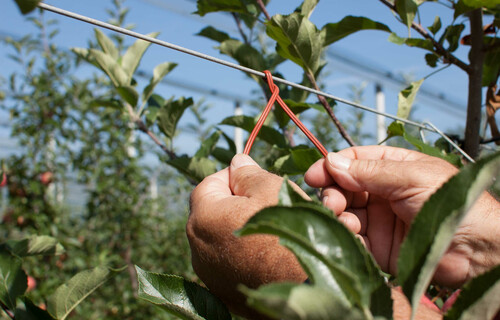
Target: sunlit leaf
point(329, 253)
point(478, 298)
point(425, 44)
point(184, 299)
point(170, 114)
point(307, 7)
point(349, 25)
point(106, 44)
point(406, 98)
point(159, 72)
point(436, 25)
point(26, 6)
point(111, 67)
point(207, 6)
point(300, 302)
point(13, 280)
point(297, 39)
point(133, 55)
point(433, 228)
point(288, 196)
point(213, 34)
point(266, 133)
point(73, 292)
point(35, 245)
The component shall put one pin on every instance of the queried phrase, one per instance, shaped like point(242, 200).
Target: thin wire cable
point(450, 141)
point(222, 62)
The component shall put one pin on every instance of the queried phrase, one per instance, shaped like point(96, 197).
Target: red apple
point(31, 284)
point(3, 183)
point(46, 178)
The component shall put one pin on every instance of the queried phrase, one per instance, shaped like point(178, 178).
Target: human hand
point(377, 191)
point(221, 204)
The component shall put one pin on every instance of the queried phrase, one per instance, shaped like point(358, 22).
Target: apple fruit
point(46, 178)
point(31, 284)
point(3, 183)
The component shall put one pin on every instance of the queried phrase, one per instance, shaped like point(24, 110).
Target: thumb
point(384, 178)
point(247, 178)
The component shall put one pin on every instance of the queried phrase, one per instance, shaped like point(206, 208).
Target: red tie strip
point(275, 97)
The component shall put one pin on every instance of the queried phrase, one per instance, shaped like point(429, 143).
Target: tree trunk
point(474, 102)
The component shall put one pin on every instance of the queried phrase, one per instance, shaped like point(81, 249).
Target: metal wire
point(222, 62)
point(422, 126)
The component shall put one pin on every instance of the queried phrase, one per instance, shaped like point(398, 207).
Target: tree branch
point(240, 29)
point(437, 46)
point(330, 112)
point(263, 9)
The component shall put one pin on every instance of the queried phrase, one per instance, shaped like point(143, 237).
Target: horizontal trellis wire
point(427, 126)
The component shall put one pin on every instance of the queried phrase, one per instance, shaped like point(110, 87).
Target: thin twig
point(263, 9)
point(142, 127)
point(330, 112)
point(437, 46)
point(240, 29)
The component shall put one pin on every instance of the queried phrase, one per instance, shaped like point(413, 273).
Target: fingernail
point(338, 161)
point(242, 160)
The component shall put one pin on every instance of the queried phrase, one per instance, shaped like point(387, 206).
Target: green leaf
point(407, 9)
point(110, 66)
point(195, 168)
point(425, 44)
point(213, 34)
point(133, 56)
point(433, 228)
point(307, 7)
point(208, 145)
point(329, 253)
point(297, 39)
point(453, 35)
point(35, 245)
point(245, 54)
point(73, 292)
point(184, 299)
point(207, 6)
point(431, 59)
point(436, 25)
point(349, 25)
point(170, 114)
point(491, 64)
point(461, 8)
point(476, 4)
point(106, 44)
point(406, 98)
point(478, 298)
point(111, 103)
point(129, 94)
point(26, 6)
point(298, 161)
point(13, 280)
point(300, 302)
point(266, 133)
point(296, 107)
point(159, 72)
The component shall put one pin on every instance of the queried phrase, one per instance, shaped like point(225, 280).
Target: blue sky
point(177, 24)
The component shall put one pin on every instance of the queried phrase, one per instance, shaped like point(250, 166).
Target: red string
point(275, 97)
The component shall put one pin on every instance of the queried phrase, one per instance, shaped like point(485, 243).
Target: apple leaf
point(106, 44)
point(266, 133)
point(406, 98)
point(170, 114)
point(13, 280)
point(26, 6)
point(35, 245)
point(73, 292)
point(407, 9)
point(133, 55)
point(349, 25)
point(184, 299)
point(159, 72)
point(297, 161)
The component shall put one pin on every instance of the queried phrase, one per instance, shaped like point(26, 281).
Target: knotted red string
point(275, 97)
